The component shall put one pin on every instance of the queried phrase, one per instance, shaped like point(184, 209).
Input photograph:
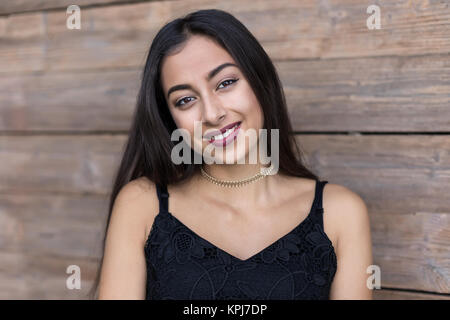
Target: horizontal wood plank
point(97, 101)
point(386, 294)
point(70, 225)
point(412, 250)
point(361, 94)
point(394, 94)
point(119, 36)
point(385, 169)
point(59, 164)
point(20, 6)
point(38, 276)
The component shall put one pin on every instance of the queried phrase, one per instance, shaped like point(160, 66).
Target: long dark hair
point(148, 150)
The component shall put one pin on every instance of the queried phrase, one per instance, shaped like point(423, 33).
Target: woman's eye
point(178, 102)
point(232, 81)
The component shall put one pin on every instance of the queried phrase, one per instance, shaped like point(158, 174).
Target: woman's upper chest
point(243, 231)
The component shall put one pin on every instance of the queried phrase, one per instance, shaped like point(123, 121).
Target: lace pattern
point(183, 265)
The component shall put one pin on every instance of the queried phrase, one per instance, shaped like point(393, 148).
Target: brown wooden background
point(371, 109)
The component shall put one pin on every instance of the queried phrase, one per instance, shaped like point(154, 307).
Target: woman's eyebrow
point(210, 75)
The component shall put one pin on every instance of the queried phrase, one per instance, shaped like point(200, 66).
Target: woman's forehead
point(198, 54)
point(193, 61)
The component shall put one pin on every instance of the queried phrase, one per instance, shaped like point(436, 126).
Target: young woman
point(224, 230)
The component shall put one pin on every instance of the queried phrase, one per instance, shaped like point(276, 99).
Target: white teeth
point(226, 134)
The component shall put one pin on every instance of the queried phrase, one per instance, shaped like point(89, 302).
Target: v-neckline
point(254, 255)
point(297, 226)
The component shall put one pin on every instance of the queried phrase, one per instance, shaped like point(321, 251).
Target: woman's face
point(214, 101)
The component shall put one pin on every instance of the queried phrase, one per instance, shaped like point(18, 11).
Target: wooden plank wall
point(371, 108)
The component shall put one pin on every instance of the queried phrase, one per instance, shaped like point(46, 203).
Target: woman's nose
point(212, 111)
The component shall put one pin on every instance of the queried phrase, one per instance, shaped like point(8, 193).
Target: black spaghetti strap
point(163, 196)
point(319, 193)
point(318, 202)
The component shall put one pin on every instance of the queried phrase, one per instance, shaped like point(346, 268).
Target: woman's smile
point(225, 138)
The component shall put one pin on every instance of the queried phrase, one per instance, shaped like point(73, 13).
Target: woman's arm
point(354, 247)
point(123, 274)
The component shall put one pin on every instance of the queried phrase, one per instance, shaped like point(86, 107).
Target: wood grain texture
point(412, 250)
point(360, 94)
point(394, 94)
point(59, 164)
point(61, 90)
point(119, 36)
point(418, 166)
point(70, 225)
point(386, 169)
point(402, 185)
point(91, 101)
point(37, 276)
point(386, 294)
point(410, 238)
point(20, 6)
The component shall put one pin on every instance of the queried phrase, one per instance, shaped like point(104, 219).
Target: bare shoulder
point(138, 192)
point(344, 200)
point(123, 267)
point(138, 197)
point(345, 210)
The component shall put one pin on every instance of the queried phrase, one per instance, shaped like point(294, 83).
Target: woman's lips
point(209, 134)
point(227, 137)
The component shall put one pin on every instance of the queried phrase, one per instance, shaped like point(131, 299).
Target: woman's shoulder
point(140, 196)
point(345, 210)
point(140, 189)
point(334, 195)
point(339, 197)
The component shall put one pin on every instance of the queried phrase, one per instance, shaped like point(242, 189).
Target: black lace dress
point(181, 265)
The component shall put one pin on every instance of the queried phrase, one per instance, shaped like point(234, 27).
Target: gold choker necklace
point(237, 183)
